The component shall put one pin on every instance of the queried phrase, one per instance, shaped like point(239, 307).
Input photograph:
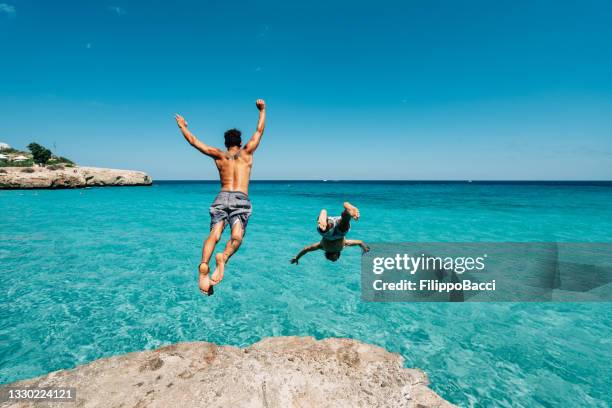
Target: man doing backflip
point(332, 231)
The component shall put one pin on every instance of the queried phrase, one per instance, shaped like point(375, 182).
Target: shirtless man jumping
point(232, 205)
point(332, 231)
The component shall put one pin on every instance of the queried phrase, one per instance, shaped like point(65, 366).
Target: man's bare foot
point(351, 210)
point(204, 281)
point(217, 275)
point(322, 221)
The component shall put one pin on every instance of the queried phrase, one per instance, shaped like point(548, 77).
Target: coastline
point(60, 177)
point(276, 371)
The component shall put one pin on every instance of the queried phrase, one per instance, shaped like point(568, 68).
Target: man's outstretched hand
point(261, 104)
point(294, 260)
point(180, 121)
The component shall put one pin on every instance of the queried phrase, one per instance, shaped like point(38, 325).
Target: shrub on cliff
point(55, 167)
point(25, 163)
point(60, 160)
point(40, 154)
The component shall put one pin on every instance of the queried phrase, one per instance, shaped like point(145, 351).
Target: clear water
point(97, 272)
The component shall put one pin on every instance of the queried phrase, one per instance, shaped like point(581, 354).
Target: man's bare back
point(232, 205)
point(235, 170)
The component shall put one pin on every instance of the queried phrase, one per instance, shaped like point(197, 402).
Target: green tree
point(40, 154)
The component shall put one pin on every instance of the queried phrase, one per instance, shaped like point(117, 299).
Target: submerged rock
point(69, 177)
point(276, 372)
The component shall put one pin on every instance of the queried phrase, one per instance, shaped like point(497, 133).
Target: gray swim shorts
point(231, 207)
point(334, 233)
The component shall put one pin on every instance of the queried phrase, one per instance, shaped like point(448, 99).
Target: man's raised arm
point(261, 124)
point(194, 141)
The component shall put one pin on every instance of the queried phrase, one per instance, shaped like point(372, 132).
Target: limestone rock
point(276, 372)
point(69, 177)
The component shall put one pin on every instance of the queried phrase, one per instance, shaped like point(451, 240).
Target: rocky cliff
point(276, 372)
point(69, 177)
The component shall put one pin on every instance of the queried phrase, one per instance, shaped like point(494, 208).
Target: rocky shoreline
point(275, 372)
point(56, 177)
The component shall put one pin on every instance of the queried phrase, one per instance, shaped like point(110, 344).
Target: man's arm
point(354, 242)
point(305, 250)
point(261, 124)
point(194, 141)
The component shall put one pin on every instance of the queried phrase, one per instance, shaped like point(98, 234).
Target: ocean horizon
point(97, 272)
point(402, 181)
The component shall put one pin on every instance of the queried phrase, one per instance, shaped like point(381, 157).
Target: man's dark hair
point(332, 256)
point(233, 138)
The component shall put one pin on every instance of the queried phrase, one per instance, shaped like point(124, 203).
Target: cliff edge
point(275, 372)
point(52, 177)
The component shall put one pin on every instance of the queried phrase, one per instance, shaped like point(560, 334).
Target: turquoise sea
point(103, 271)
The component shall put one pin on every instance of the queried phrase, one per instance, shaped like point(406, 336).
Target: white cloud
point(116, 9)
point(264, 31)
point(8, 9)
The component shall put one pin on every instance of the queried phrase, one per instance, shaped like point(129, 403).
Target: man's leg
point(350, 211)
point(322, 220)
point(230, 249)
point(207, 250)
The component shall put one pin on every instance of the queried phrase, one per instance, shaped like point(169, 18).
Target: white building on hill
point(19, 158)
point(4, 146)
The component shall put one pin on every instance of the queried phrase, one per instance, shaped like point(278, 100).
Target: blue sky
point(373, 90)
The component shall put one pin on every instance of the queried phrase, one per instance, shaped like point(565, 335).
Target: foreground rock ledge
point(276, 372)
point(69, 177)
